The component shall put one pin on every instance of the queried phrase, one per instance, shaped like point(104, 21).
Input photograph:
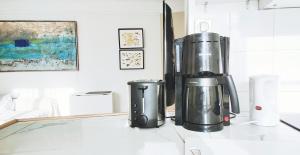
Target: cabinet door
point(193, 146)
point(207, 146)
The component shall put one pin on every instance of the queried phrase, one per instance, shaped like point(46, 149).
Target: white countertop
point(112, 135)
point(109, 135)
point(241, 129)
point(243, 138)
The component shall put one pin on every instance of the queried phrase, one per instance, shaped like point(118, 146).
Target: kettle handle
point(227, 81)
point(143, 88)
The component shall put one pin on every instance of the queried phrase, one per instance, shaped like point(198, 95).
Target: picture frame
point(38, 45)
point(131, 38)
point(131, 59)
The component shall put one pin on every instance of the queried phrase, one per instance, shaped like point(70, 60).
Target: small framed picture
point(131, 38)
point(131, 59)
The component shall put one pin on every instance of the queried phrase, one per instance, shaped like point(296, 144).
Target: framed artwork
point(131, 38)
point(131, 59)
point(38, 46)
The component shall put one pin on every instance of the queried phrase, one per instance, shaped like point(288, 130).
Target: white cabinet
point(91, 103)
point(273, 4)
point(198, 146)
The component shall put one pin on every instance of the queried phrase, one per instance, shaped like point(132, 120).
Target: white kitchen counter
point(111, 135)
point(108, 135)
point(243, 138)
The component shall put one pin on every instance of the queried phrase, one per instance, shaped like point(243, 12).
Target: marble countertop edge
point(14, 121)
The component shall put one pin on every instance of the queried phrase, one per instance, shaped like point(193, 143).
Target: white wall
point(262, 42)
point(176, 5)
point(98, 22)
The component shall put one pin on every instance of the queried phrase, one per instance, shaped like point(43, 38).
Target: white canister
point(264, 100)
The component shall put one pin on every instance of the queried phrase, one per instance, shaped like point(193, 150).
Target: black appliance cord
point(233, 115)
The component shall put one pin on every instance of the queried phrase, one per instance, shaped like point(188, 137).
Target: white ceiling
point(221, 1)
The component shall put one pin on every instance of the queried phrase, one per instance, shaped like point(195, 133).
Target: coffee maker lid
point(204, 37)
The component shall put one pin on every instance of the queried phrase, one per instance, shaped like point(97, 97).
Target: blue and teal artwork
point(38, 46)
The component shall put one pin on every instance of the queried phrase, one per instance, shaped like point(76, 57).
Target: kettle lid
point(150, 81)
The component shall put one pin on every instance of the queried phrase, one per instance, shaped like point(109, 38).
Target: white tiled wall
point(262, 42)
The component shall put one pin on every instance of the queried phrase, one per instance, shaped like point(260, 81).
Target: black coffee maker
point(204, 90)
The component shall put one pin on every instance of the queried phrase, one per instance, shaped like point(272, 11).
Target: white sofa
point(9, 109)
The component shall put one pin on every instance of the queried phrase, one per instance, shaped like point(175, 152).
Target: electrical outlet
point(202, 25)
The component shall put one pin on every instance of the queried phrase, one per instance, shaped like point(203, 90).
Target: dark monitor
point(168, 54)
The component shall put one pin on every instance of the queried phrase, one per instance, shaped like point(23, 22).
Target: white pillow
point(6, 103)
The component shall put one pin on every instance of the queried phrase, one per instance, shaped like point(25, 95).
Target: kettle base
point(150, 124)
point(203, 127)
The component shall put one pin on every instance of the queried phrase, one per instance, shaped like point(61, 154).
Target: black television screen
point(169, 56)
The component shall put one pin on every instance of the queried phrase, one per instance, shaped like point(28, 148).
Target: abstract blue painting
point(38, 46)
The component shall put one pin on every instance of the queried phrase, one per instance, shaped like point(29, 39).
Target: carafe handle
point(227, 81)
